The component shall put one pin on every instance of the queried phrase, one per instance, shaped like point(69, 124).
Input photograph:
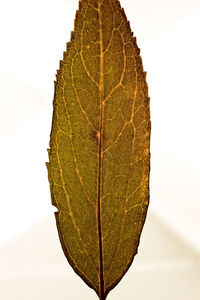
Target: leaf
point(99, 146)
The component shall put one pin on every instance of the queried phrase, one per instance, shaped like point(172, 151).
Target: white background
point(33, 37)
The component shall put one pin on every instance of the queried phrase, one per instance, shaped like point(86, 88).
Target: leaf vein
point(71, 213)
point(116, 140)
point(74, 155)
point(81, 53)
point(79, 102)
point(122, 74)
point(122, 223)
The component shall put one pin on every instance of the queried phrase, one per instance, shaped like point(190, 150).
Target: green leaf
point(99, 146)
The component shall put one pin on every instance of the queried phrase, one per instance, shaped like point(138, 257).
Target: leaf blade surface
point(99, 146)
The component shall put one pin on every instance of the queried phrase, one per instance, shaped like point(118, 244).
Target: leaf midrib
point(101, 292)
